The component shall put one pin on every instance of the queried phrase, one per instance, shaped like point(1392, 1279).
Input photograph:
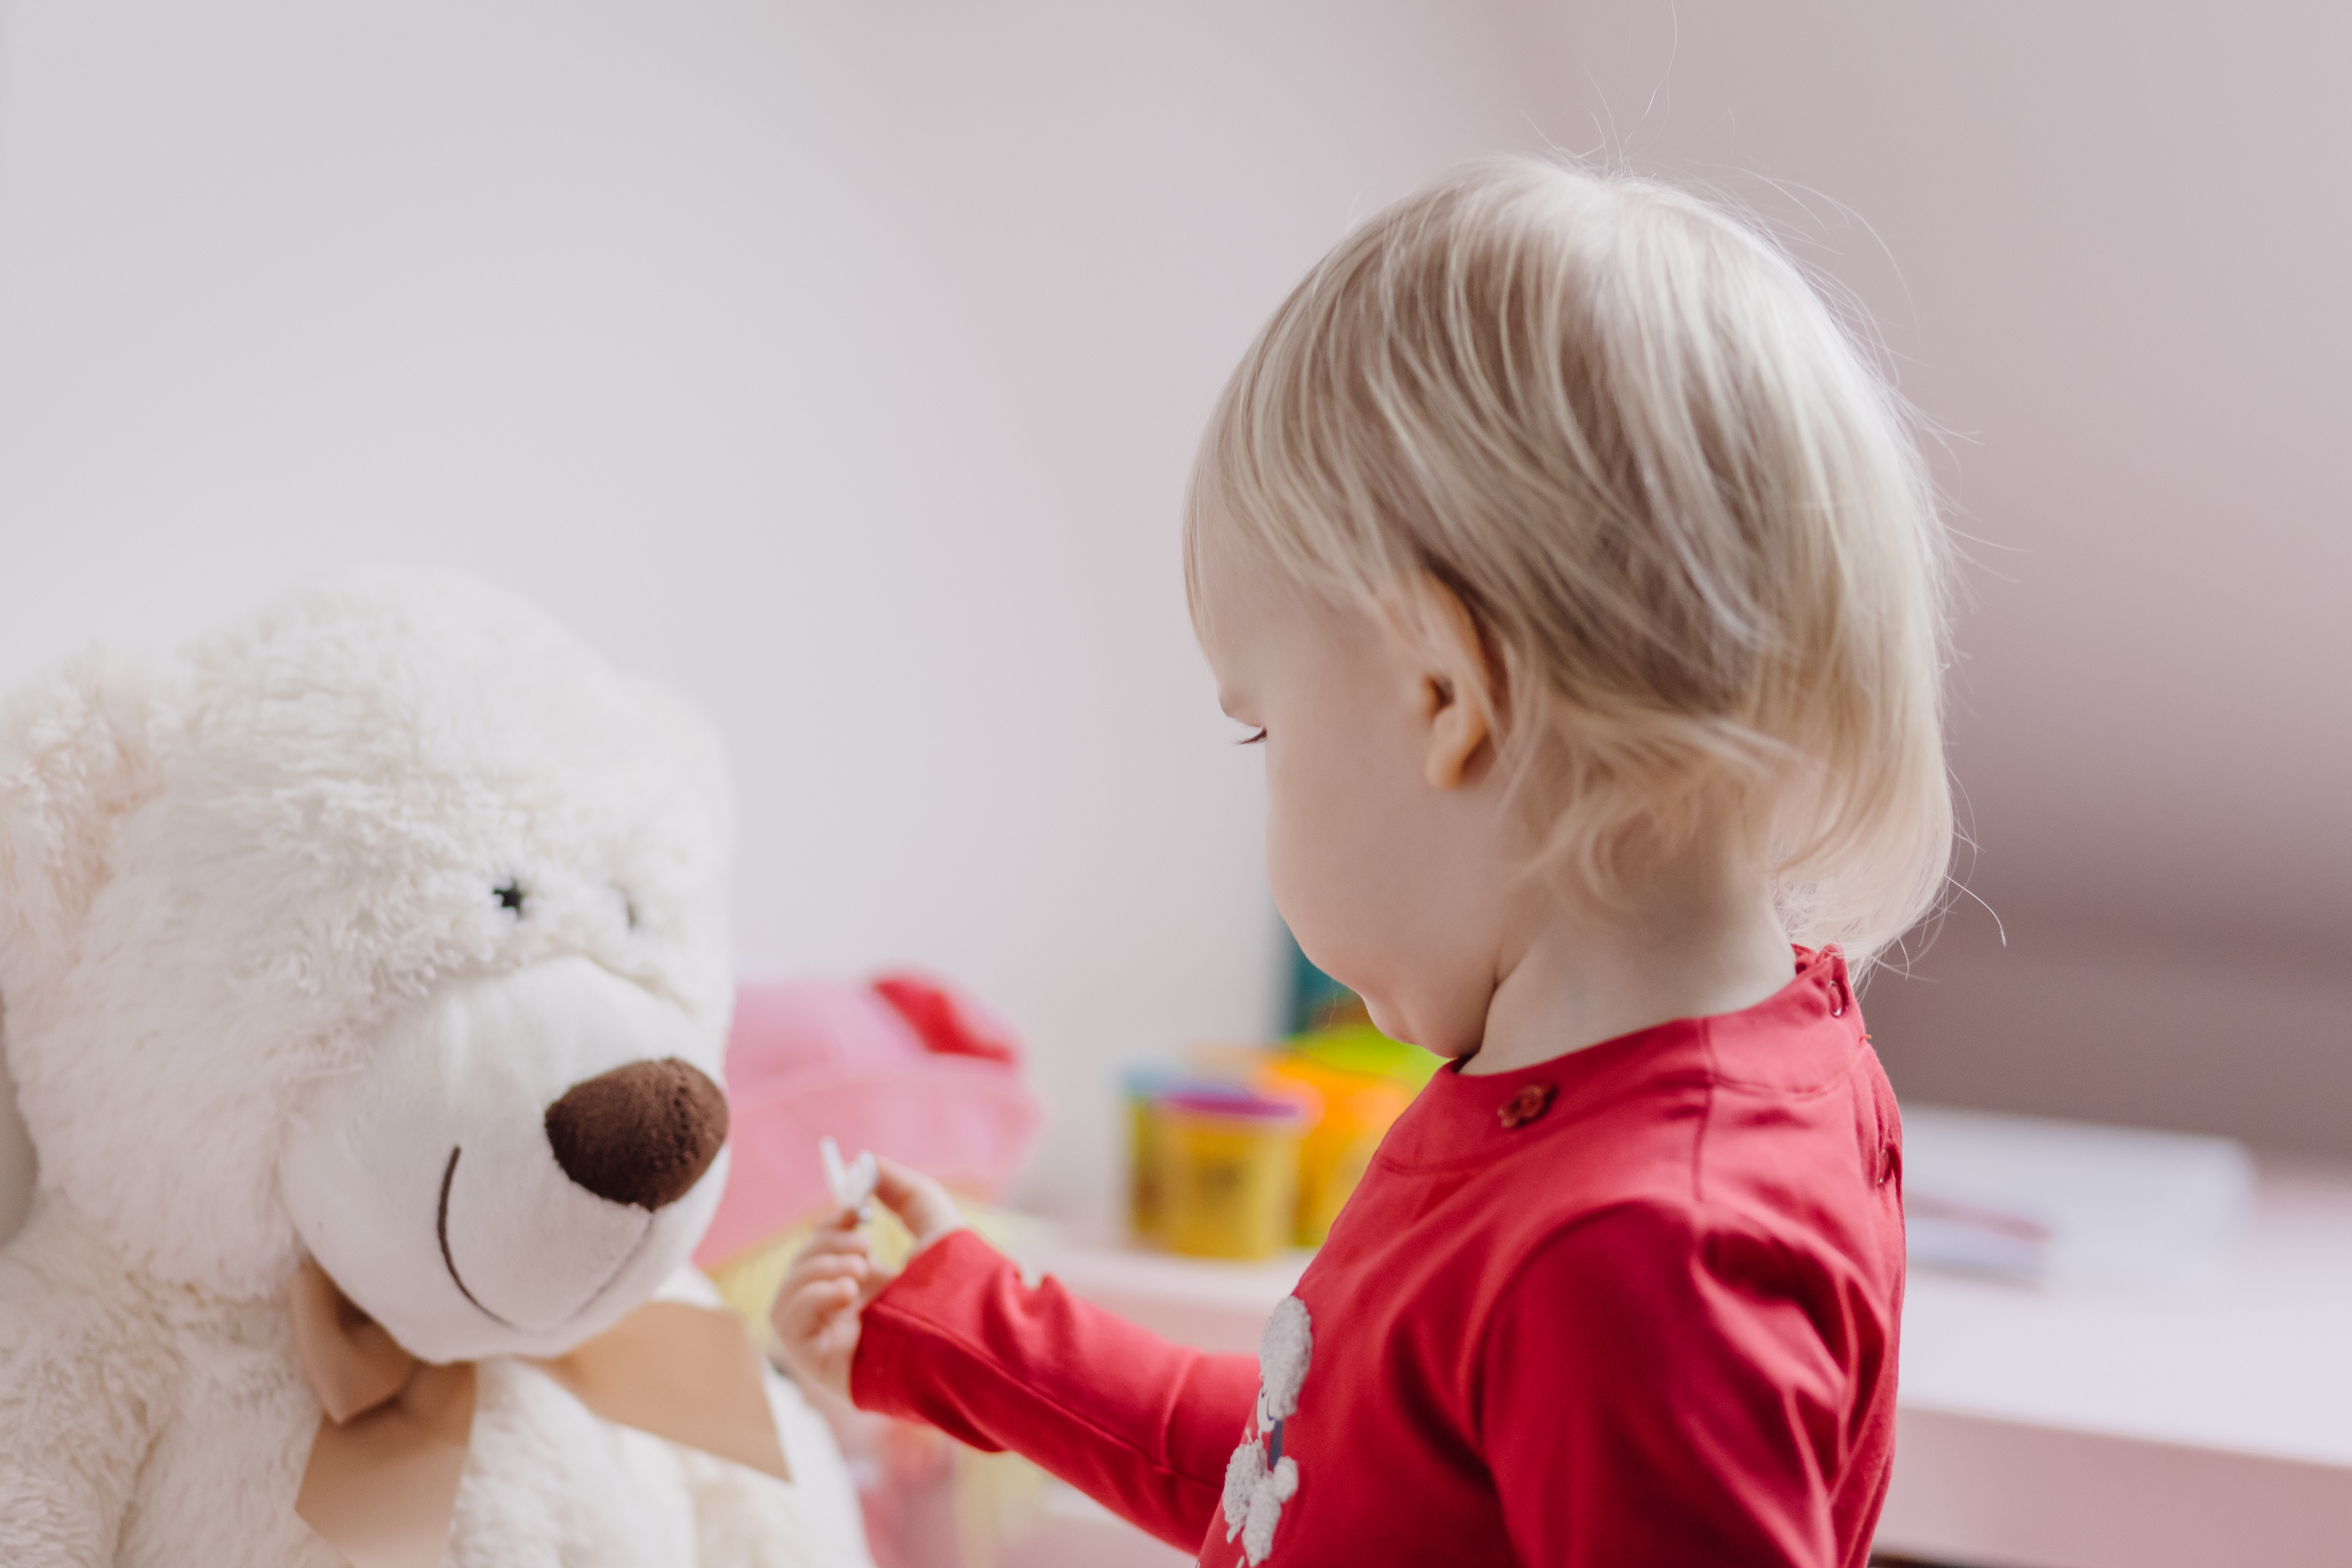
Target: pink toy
point(906, 1066)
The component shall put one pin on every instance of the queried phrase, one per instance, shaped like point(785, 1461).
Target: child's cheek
point(1323, 874)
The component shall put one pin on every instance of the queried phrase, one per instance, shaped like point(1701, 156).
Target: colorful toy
point(906, 1066)
point(1208, 1142)
point(1228, 1171)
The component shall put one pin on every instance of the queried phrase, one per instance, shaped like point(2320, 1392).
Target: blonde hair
point(1685, 509)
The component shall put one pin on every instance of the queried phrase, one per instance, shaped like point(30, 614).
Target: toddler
point(1582, 584)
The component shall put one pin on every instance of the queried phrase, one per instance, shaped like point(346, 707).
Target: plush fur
point(288, 920)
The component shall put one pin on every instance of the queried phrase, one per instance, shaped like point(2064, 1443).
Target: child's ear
point(76, 753)
point(1460, 688)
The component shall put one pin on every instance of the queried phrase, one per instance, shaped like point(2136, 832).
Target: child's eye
point(1251, 740)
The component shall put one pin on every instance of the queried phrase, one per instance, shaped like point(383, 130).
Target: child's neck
point(1579, 971)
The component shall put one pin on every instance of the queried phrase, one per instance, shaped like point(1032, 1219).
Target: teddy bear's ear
point(78, 750)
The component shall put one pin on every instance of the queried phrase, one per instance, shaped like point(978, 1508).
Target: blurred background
point(841, 365)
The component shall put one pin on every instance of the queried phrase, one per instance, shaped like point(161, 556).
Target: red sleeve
point(1143, 1427)
point(1655, 1394)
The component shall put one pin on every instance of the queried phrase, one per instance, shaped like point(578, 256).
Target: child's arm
point(1654, 1393)
point(1144, 1427)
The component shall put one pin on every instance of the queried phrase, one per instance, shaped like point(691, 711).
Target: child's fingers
point(851, 1287)
point(822, 1297)
point(919, 1202)
point(805, 1314)
point(816, 1324)
point(834, 1244)
point(812, 1270)
point(830, 1251)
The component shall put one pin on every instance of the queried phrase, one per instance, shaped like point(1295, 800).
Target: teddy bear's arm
point(82, 1383)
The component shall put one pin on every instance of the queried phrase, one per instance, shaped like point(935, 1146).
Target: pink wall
point(841, 366)
point(2107, 242)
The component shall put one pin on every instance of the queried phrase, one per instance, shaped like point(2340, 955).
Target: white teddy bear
point(383, 929)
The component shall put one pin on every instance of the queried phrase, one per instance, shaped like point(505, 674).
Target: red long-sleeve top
point(1635, 1305)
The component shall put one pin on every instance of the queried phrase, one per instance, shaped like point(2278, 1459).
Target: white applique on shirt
point(1260, 1478)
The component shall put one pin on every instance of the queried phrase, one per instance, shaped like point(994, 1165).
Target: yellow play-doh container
point(1358, 1110)
point(1228, 1182)
point(1142, 1086)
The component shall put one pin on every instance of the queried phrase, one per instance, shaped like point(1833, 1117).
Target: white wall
point(2106, 243)
point(840, 364)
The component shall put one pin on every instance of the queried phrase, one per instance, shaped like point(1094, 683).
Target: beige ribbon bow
point(381, 1482)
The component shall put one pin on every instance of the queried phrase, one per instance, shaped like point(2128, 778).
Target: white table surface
point(2260, 1361)
point(2037, 1427)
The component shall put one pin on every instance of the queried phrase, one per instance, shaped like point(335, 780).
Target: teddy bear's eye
point(629, 910)
point(510, 897)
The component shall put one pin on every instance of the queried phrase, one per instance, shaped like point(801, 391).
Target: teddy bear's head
point(386, 924)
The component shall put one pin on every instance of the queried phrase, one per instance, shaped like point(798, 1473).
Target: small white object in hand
point(852, 1183)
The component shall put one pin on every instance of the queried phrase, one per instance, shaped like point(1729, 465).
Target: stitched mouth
point(449, 1260)
point(441, 1227)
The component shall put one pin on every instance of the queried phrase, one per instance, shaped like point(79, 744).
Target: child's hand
point(816, 1312)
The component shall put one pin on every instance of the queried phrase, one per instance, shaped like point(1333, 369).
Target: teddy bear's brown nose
point(639, 1135)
